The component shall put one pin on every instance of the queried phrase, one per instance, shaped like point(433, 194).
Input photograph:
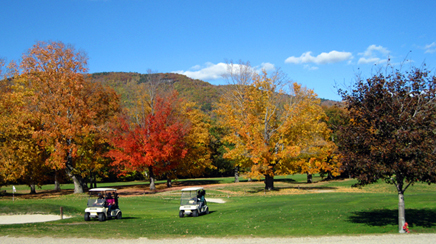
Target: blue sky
point(316, 43)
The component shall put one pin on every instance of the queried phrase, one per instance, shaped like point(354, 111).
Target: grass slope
point(294, 209)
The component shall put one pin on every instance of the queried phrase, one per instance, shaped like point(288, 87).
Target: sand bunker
point(28, 218)
point(216, 200)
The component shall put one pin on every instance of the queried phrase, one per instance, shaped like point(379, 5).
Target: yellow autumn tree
point(272, 121)
point(306, 126)
point(197, 160)
point(21, 158)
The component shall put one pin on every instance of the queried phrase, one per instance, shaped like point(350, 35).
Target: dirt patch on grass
point(39, 195)
point(225, 190)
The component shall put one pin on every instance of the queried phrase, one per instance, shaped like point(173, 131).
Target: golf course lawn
point(294, 208)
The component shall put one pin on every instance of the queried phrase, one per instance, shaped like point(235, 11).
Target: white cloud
point(267, 67)
point(430, 48)
point(323, 58)
point(196, 67)
point(310, 67)
point(210, 72)
point(371, 50)
point(216, 71)
point(374, 54)
point(368, 60)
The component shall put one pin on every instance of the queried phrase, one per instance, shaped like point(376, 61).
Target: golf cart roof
point(192, 189)
point(103, 189)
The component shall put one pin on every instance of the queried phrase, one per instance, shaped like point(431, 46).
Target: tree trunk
point(79, 183)
point(169, 182)
point(309, 178)
point(32, 188)
point(57, 186)
point(94, 179)
point(236, 173)
point(401, 212)
point(152, 179)
point(77, 180)
point(269, 182)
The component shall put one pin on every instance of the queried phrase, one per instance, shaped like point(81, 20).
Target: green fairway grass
point(294, 208)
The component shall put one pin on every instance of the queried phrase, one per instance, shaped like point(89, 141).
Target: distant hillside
point(201, 92)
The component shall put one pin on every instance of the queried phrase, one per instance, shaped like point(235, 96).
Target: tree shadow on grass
point(285, 180)
point(315, 189)
point(126, 218)
point(210, 212)
point(196, 182)
point(381, 217)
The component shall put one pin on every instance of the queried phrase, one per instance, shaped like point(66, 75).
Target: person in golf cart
point(200, 197)
point(110, 202)
point(104, 207)
point(193, 202)
point(99, 201)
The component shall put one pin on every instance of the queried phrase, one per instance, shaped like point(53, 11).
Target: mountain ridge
point(201, 92)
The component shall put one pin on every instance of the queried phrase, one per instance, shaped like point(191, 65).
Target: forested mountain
point(201, 92)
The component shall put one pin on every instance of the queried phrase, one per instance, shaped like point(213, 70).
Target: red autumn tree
point(155, 146)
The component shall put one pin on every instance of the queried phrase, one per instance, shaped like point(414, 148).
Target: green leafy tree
point(391, 133)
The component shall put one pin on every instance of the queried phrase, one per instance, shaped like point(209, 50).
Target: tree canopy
point(391, 133)
point(271, 122)
point(55, 108)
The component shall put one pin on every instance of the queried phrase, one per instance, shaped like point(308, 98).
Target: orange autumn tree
point(62, 102)
point(267, 116)
point(93, 146)
point(55, 73)
point(157, 145)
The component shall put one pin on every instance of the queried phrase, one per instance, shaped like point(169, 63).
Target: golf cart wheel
point(101, 217)
point(181, 213)
point(195, 213)
point(207, 210)
point(119, 215)
point(87, 218)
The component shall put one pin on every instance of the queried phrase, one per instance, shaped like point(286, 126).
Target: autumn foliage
point(156, 145)
point(271, 129)
point(59, 107)
point(390, 134)
point(56, 121)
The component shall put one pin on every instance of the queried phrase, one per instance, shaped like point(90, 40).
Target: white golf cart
point(193, 202)
point(102, 204)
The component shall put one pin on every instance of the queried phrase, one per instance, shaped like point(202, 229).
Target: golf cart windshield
point(189, 198)
point(96, 202)
point(99, 197)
